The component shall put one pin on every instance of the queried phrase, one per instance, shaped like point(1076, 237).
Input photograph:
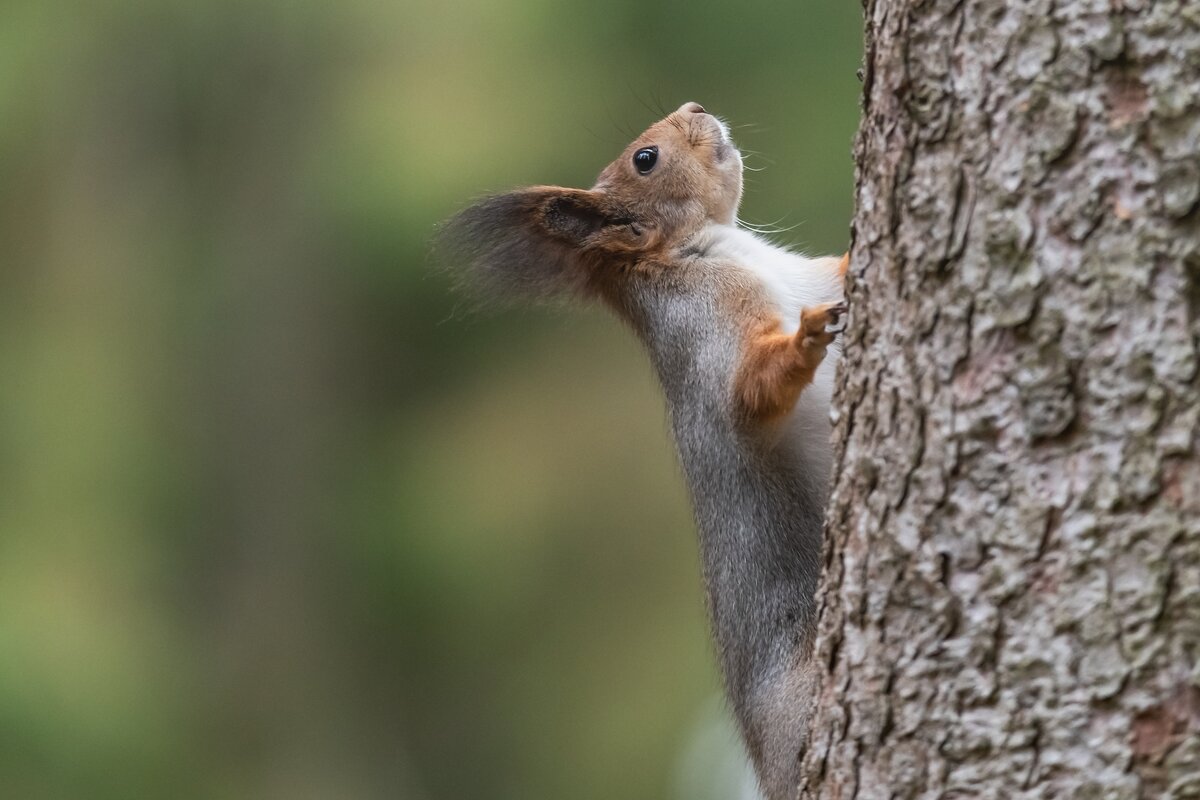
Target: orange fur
point(776, 367)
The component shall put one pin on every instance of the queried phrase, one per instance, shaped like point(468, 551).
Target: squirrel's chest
point(789, 281)
point(780, 284)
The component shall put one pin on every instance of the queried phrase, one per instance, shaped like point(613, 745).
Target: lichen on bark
point(1011, 600)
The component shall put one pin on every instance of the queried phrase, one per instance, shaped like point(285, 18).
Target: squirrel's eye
point(645, 159)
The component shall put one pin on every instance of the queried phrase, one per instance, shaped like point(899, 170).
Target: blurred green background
point(277, 520)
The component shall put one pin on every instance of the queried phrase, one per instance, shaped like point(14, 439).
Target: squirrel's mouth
point(724, 130)
point(724, 148)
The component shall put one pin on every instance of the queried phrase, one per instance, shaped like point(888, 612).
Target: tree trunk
point(1011, 601)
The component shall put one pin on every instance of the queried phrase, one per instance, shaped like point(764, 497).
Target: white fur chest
point(793, 282)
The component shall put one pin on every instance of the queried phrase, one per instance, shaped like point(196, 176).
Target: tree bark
point(1011, 599)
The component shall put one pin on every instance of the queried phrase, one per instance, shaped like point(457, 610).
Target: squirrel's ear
point(532, 242)
point(573, 216)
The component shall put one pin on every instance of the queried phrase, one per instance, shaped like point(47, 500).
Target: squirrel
point(742, 334)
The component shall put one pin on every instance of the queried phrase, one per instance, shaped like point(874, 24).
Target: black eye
point(645, 159)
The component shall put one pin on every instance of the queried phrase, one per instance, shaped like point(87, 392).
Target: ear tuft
point(526, 244)
point(573, 219)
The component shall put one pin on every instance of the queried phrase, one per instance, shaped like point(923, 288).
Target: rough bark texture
point(1011, 606)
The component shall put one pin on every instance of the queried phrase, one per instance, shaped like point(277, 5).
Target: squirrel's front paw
point(820, 325)
point(837, 322)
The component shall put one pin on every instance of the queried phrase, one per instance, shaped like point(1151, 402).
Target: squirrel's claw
point(837, 318)
point(819, 325)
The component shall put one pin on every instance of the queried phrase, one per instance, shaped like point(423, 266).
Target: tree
point(1011, 598)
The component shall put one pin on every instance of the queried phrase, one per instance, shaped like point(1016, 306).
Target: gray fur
point(759, 510)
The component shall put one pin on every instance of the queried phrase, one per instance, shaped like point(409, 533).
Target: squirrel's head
point(681, 174)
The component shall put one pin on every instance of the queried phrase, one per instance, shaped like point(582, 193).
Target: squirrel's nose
point(691, 108)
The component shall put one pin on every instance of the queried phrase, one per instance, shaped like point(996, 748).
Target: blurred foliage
point(275, 520)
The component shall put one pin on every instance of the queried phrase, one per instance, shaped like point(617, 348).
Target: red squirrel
point(742, 334)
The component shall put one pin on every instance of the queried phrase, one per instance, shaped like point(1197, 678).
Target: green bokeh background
point(276, 519)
